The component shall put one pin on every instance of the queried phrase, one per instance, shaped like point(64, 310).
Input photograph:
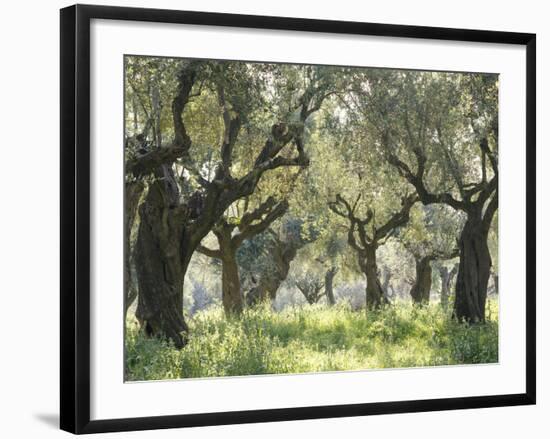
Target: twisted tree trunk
point(251, 224)
point(479, 201)
point(374, 292)
point(170, 230)
point(161, 263)
point(232, 297)
point(420, 291)
point(270, 281)
point(473, 272)
point(367, 245)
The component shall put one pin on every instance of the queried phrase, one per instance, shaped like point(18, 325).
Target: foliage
point(311, 339)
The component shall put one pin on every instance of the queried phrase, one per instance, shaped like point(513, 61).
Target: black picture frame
point(75, 217)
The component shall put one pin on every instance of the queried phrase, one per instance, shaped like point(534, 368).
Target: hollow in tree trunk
point(473, 272)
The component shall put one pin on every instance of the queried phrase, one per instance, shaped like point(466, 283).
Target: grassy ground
point(310, 339)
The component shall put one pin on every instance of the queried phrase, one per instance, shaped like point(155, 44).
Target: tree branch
point(416, 179)
point(148, 162)
point(267, 214)
point(354, 221)
point(232, 126)
point(209, 252)
point(398, 219)
point(186, 80)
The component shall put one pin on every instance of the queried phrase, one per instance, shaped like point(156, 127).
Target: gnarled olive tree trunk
point(272, 278)
point(311, 288)
point(171, 229)
point(473, 272)
point(368, 244)
point(479, 201)
point(283, 251)
point(420, 291)
point(374, 292)
point(232, 296)
point(250, 225)
point(329, 285)
point(161, 263)
point(447, 277)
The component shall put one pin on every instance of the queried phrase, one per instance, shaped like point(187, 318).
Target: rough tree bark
point(160, 265)
point(368, 244)
point(250, 225)
point(172, 228)
point(473, 272)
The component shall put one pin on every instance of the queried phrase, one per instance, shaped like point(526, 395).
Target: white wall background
point(29, 237)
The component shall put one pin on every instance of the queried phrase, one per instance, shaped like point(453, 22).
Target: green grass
point(312, 339)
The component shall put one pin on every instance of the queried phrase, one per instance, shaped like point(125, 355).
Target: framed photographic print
point(304, 218)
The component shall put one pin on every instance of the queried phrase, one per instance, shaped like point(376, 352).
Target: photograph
point(288, 218)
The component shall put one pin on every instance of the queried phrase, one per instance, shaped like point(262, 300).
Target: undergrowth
point(312, 339)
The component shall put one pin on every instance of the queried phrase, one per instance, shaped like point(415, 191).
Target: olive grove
point(287, 186)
